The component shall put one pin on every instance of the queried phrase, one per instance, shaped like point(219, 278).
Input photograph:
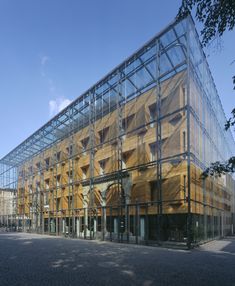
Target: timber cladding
point(57, 181)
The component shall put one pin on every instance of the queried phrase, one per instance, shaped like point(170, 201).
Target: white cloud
point(64, 103)
point(58, 104)
point(44, 60)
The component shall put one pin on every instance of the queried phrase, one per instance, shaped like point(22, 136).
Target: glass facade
point(123, 162)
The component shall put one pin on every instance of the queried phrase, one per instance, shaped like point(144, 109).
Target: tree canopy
point(217, 16)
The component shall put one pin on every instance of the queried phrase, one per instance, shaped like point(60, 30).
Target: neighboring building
point(7, 206)
point(124, 160)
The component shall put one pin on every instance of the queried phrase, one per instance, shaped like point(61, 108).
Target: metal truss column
point(92, 158)
point(69, 185)
point(71, 204)
point(159, 139)
point(189, 221)
point(40, 195)
point(120, 133)
point(55, 167)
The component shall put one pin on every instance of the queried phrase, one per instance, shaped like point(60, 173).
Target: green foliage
point(219, 168)
point(216, 16)
point(231, 121)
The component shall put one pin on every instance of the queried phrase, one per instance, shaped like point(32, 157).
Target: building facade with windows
point(123, 162)
point(7, 206)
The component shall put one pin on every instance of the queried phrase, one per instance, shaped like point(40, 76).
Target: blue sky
point(53, 50)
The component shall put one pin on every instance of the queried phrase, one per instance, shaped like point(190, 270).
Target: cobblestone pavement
point(30, 259)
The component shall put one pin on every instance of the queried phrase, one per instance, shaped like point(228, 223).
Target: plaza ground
point(31, 259)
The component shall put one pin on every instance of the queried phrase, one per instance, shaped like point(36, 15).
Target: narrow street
point(31, 259)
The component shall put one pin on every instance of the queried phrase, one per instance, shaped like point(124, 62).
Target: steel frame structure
point(176, 50)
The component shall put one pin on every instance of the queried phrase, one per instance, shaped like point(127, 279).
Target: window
point(184, 99)
point(153, 151)
point(184, 187)
point(47, 184)
point(70, 201)
point(70, 150)
point(84, 172)
point(46, 198)
point(103, 134)
point(153, 114)
point(127, 123)
point(102, 167)
point(125, 157)
point(58, 156)
point(38, 166)
point(58, 204)
point(124, 163)
point(70, 177)
point(184, 141)
point(47, 162)
point(154, 191)
point(58, 180)
point(85, 143)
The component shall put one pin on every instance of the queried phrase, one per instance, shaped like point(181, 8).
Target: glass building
point(123, 162)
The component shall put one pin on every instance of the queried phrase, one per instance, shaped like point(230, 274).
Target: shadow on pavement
point(34, 259)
